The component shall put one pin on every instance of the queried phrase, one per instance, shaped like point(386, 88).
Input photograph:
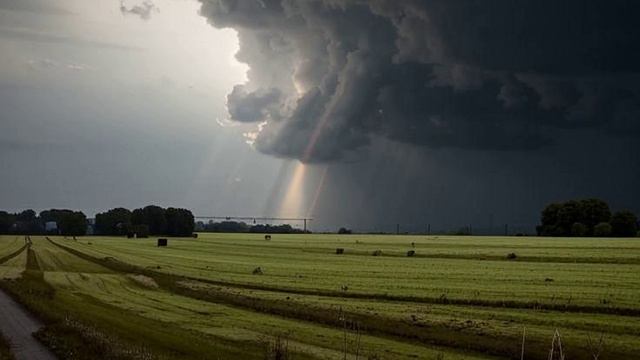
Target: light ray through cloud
point(319, 190)
point(293, 201)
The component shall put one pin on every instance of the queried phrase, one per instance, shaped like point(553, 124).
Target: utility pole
point(397, 229)
point(506, 229)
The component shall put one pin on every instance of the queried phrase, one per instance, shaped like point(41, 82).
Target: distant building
point(51, 227)
point(91, 226)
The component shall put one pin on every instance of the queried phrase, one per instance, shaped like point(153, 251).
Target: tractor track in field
point(119, 266)
point(12, 255)
point(437, 335)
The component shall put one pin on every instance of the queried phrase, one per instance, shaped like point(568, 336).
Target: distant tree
point(602, 230)
point(549, 219)
point(180, 222)
point(579, 229)
point(624, 224)
point(568, 214)
point(27, 222)
point(273, 229)
point(6, 222)
point(227, 226)
point(26, 216)
point(152, 216)
point(73, 223)
point(138, 231)
point(70, 223)
point(558, 219)
point(343, 230)
point(593, 212)
point(114, 222)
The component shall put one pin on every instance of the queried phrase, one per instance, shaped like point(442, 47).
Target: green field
point(457, 298)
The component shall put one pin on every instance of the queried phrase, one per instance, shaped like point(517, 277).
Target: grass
point(457, 298)
point(309, 264)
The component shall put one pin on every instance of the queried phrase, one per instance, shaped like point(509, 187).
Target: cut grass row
point(492, 330)
point(77, 328)
point(9, 244)
point(482, 328)
point(210, 318)
point(603, 288)
point(11, 249)
point(488, 335)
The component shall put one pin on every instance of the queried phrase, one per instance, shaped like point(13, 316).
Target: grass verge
point(441, 335)
point(78, 328)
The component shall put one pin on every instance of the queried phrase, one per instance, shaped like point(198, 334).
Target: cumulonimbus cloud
point(327, 76)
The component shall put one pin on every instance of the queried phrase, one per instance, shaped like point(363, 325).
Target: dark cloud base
point(328, 76)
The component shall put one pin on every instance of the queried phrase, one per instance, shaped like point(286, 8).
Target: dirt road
point(17, 325)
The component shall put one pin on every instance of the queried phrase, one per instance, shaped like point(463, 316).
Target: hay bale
point(411, 253)
point(377, 253)
point(512, 256)
point(258, 271)
point(162, 242)
point(195, 236)
point(267, 237)
point(339, 251)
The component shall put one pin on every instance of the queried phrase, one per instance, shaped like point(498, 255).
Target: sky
point(362, 114)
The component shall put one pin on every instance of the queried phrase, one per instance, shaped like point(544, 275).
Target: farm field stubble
point(93, 293)
point(447, 297)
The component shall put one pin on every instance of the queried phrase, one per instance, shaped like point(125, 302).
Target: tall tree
point(152, 216)
point(69, 222)
point(114, 222)
point(6, 222)
point(180, 222)
point(573, 217)
point(624, 224)
point(593, 212)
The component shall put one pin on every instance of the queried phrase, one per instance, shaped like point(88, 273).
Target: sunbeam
point(293, 201)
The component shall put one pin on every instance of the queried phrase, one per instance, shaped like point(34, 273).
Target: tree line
point(586, 217)
point(27, 222)
point(242, 227)
point(150, 220)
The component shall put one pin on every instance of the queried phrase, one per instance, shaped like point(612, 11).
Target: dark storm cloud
point(254, 106)
point(329, 76)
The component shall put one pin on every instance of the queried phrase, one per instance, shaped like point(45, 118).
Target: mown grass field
point(457, 298)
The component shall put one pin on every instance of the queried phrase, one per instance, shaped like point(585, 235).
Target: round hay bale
point(258, 271)
point(411, 253)
point(377, 253)
point(339, 251)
